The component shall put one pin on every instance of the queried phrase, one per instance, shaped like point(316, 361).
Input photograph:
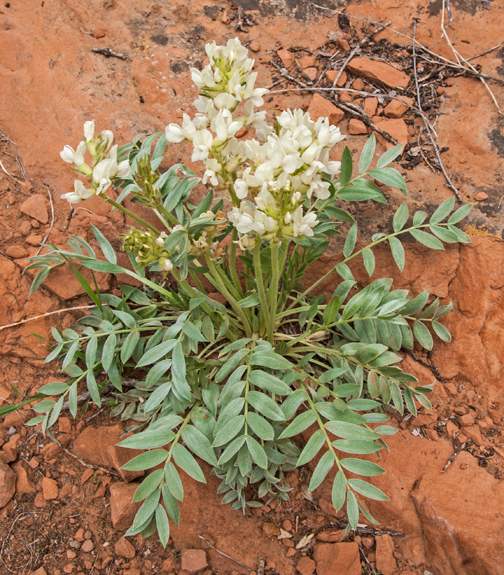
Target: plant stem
point(132, 215)
point(260, 283)
point(232, 262)
point(372, 244)
point(225, 292)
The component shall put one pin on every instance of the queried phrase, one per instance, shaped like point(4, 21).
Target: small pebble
point(481, 196)
point(87, 546)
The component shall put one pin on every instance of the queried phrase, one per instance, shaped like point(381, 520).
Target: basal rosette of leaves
point(235, 385)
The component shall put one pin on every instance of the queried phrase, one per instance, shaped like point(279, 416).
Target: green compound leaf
point(441, 331)
point(350, 241)
point(187, 463)
point(323, 467)
point(265, 405)
point(269, 382)
point(427, 239)
point(262, 428)
point(146, 460)
point(162, 525)
point(460, 214)
point(443, 210)
point(302, 422)
point(362, 467)
point(105, 245)
point(257, 452)
point(368, 490)
point(423, 335)
point(367, 154)
point(352, 510)
point(400, 218)
point(313, 446)
point(339, 490)
point(346, 167)
point(389, 156)
point(199, 444)
point(369, 260)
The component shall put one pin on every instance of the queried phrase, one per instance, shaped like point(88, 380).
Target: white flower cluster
point(104, 167)
point(271, 177)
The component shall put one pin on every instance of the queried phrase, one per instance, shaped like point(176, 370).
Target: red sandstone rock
point(193, 560)
point(395, 128)
point(306, 566)
point(23, 485)
point(286, 57)
point(378, 72)
point(358, 84)
point(321, 108)
point(36, 207)
point(466, 420)
point(356, 127)
point(122, 508)
point(49, 489)
point(16, 252)
point(395, 108)
point(87, 546)
point(92, 444)
point(7, 484)
point(370, 106)
point(385, 560)
point(481, 196)
point(123, 548)
point(310, 73)
point(337, 558)
point(119, 456)
point(473, 432)
point(331, 75)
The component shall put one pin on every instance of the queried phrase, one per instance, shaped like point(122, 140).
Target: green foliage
point(236, 385)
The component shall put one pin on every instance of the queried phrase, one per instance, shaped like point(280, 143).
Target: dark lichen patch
point(211, 12)
point(179, 66)
point(496, 136)
point(160, 39)
point(467, 6)
point(500, 69)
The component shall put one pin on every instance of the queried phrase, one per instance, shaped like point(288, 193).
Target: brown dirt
point(52, 82)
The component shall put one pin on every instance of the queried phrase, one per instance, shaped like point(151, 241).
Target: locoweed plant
point(236, 383)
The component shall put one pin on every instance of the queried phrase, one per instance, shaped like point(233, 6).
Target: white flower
point(165, 264)
point(292, 162)
point(80, 193)
point(333, 168)
point(265, 199)
point(320, 189)
point(224, 125)
point(176, 133)
point(89, 128)
point(123, 169)
point(210, 175)
point(106, 169)
point(246, 242)
point(327, 135)
point(160, 240)
point(241, 189)
point(76, 157)
point(311, 153)
point(107, 136)
point(104, 184)
point(302, 225)
point(202, 143)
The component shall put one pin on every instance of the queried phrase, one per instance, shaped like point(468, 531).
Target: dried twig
point(484, 53)
point(427, 126)
point(361, 549)
point(45, 315)
point(52, 221)
point(88, 465)
point(218, 551)
point(357, 48)
point(359, 530)
point(457, 449)
point(108, 53)
point(459, 57)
